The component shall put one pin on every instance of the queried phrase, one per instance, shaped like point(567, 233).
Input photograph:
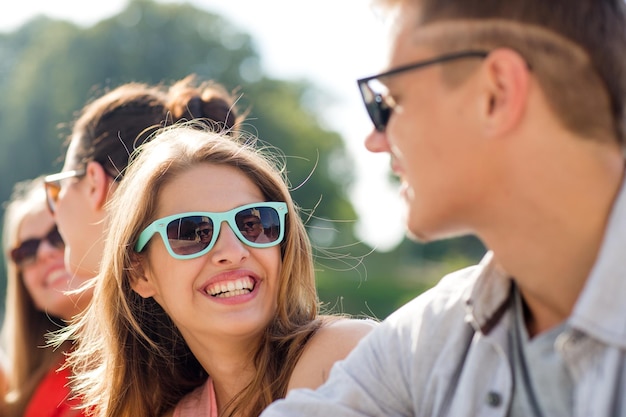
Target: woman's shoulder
point(334, 340)
point(339, 330)
point(340, 335)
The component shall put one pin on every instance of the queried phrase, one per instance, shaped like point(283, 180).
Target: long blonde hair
point(130, 359)
point(25, 325)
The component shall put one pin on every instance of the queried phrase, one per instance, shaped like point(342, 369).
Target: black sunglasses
point(250, 223)
point(26, 252)
point(205, 232)
point(376, 98)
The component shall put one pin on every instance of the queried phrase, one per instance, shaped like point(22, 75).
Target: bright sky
point(330, 42)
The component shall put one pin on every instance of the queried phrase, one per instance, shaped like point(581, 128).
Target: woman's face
point(80, 221)
point(188, 289)
point(44, 275)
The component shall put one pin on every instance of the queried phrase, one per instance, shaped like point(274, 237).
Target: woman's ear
point(141, 281)
point(98, 182)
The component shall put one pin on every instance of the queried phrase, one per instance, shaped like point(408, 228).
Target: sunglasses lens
point(190, 234)
point(379, 113)
point(259, 225)
point(52, 194)
point(55, 239)
point(383, 113)
point(26, 252)
point(377, 108)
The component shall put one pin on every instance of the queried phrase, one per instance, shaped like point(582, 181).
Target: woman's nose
point(47, 250)
point(228, 248)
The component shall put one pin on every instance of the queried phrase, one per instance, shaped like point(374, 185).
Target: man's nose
point(377, 142)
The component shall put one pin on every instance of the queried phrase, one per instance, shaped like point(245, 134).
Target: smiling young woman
point(202, 317)
point(36, 303)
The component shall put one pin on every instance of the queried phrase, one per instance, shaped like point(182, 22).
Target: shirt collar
point(487, 299)
point(600, 310)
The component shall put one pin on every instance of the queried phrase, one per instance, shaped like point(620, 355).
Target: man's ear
point(140, 278)
point(507, 81)
point(98, 182)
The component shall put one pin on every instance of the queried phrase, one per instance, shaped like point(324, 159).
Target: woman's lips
point(56, 275)
point(238, 285)
point(231, 288)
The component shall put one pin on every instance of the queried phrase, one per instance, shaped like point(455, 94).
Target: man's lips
point(396, 167)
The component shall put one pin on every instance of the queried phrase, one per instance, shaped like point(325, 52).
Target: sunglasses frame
point(54, 231)
point(378, 106)
point(159, 226)
point(54, 181)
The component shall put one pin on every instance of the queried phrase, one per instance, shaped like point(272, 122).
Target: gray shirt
point(542, 385)
point(447, 353)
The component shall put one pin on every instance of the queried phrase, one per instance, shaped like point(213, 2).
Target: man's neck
point(549, 233)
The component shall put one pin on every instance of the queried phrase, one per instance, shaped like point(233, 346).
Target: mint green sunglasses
point(193, 234)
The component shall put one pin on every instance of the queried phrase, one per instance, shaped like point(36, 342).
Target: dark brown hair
point(113, 125)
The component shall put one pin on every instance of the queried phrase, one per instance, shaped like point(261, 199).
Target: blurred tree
point(49, 69)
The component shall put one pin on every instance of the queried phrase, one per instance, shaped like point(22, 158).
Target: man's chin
point(419, 236)
point(406, 192)
point(425, 232)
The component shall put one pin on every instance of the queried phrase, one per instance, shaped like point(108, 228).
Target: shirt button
point(494, 399)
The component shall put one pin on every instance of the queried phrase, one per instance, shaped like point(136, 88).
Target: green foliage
point(57, 67)
point(374, 284)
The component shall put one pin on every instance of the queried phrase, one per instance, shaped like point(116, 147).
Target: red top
point(52, 397)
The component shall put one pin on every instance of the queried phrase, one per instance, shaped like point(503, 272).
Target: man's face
point(252, 227)
point(431, 137)
point(205, 232)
